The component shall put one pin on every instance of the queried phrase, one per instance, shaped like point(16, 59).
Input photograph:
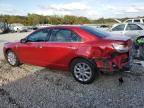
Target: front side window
point(133, 27)
point(119, 28)
point(39, 36)
point(64, 35)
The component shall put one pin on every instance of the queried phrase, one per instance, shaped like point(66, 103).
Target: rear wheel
point(12, 58)
point(84, 71)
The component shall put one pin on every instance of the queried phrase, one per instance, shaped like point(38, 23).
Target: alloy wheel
point(82, 71)
point(11, 58)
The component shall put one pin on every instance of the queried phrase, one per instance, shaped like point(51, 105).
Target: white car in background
point(132, 20)
point(133, 30)
point(135, 20)
point(16, 27)
point(42, 25)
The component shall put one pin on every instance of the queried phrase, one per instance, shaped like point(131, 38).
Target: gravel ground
point(35, 87)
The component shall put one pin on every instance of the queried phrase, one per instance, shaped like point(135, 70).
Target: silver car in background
point(133, 30)
point(17, 27)
point(135, 20)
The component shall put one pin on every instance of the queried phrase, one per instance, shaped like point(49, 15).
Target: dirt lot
point(10, 37)
point(36, 87)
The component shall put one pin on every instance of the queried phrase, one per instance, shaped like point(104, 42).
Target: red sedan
point(83, 50)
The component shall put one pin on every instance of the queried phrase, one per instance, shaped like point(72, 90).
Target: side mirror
point(23, 40)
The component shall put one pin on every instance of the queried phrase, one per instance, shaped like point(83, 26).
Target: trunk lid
point(117, 38)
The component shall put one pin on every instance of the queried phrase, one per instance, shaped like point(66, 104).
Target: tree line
point(33, 19)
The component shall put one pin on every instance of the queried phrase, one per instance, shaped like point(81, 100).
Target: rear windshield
point(96, 32)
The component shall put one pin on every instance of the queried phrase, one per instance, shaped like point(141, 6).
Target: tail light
point(120, 47)
point(123, 47)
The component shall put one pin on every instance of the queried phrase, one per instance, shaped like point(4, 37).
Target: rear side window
point(137, 20)
point(143, 20)
point(64, 35)
point(119, 28)
point(133, 27)
point(75, 38)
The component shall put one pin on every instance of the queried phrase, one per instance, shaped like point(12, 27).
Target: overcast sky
point(88, 8)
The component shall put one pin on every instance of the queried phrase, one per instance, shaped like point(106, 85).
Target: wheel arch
point(82, 57)
point(10, 49)
point(6, 51)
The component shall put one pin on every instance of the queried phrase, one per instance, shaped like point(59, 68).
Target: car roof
point(134, 18)
point(141, 25)
point(127, 23)
point(64, 26)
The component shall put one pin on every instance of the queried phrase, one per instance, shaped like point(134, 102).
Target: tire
point(84, 71)
point(12, 58)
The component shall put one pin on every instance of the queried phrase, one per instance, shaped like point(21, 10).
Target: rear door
point(61, 47)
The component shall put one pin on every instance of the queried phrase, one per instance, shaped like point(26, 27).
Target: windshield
point(96, 32)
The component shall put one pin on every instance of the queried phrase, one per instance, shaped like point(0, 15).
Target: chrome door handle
point(39, 46)
point(71, 47)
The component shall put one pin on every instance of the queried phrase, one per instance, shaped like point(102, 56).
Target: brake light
point(121, 48)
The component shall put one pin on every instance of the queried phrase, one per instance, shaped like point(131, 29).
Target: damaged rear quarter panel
point(96, 50)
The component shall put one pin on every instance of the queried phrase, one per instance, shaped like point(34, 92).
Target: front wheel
point(83, 71)
point(12, 58)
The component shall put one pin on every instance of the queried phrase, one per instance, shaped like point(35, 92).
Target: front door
point(30, 52)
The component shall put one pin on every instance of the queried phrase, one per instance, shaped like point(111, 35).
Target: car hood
point(120, 38)
point(11, 43)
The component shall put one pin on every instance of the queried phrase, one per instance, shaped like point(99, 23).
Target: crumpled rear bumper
point(119, 62)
